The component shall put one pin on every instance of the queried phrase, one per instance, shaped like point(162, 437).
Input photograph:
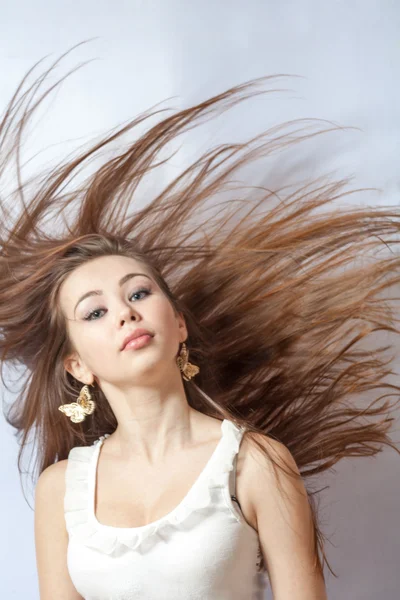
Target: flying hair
point(282, 292)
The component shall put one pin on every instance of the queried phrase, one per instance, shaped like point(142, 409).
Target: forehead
point(97, 274)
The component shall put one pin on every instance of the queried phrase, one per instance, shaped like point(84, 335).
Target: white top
point(202, 550)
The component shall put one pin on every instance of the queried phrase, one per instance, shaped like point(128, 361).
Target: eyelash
point(88, 316)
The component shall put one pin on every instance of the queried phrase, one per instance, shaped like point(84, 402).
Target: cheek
point(162, 317)
point(94, 344)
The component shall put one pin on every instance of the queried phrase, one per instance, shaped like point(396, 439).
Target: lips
point(135, 334)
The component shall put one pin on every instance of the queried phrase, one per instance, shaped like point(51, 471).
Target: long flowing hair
point(280, 289)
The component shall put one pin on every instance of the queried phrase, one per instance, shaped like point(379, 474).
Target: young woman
point(188, 371)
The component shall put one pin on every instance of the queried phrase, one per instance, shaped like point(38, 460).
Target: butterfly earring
point(78, 410)
point(187, 369)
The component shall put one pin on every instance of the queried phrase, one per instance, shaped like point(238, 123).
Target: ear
point(183, 334)
point(77, 368)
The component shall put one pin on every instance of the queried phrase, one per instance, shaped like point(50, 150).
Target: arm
point(284, 526)
point(51, 537)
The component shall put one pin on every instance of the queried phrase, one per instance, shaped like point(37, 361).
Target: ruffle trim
point(82, 524)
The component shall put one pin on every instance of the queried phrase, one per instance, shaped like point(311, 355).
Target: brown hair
point(300, 287)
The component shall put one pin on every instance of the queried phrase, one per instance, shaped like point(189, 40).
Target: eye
point(91, 315)
point(145, 291)
point(95, 314)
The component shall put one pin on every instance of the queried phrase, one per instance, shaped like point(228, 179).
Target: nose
point(127, 313)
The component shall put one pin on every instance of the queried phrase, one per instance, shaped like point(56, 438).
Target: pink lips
point(136, 339)
point(138, 342)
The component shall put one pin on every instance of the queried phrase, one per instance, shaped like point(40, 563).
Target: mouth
point(137, 339)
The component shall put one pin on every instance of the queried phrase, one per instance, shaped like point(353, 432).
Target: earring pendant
point(78, 410)
point(188, 369)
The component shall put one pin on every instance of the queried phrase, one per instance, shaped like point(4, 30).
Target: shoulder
point(270, 463)
point(52, 479)
point(54, 476)
point(263, 453)
point(271, 476)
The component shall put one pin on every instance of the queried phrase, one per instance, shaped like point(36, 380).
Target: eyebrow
point(121, 282)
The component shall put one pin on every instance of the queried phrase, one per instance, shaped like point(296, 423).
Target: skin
point(144, 386)
point(159, 438)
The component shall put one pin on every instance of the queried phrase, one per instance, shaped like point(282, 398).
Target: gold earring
point(77, 411)
point(188, 369)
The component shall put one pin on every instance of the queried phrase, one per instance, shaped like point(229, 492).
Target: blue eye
point(141, 291)
point(91, 315)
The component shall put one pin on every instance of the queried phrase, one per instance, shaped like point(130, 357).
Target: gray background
point(348, 56)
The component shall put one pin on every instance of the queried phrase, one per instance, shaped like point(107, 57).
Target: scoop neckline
point(139, 528)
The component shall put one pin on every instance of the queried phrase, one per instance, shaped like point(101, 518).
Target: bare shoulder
point(52, 479)
point(266, 470)
point(261, 452)
point(50, 490)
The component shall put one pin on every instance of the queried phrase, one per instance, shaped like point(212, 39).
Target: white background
point(348, 56)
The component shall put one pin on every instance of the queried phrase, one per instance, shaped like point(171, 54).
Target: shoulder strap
point(232, 484)
point(234, 435)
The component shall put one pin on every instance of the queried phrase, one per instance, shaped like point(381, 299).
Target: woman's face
point(104, 301)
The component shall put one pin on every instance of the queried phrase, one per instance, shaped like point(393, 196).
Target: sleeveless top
point(203, 549)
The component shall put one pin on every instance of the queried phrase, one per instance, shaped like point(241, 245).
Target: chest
point(133, 495)
point(128, 496)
